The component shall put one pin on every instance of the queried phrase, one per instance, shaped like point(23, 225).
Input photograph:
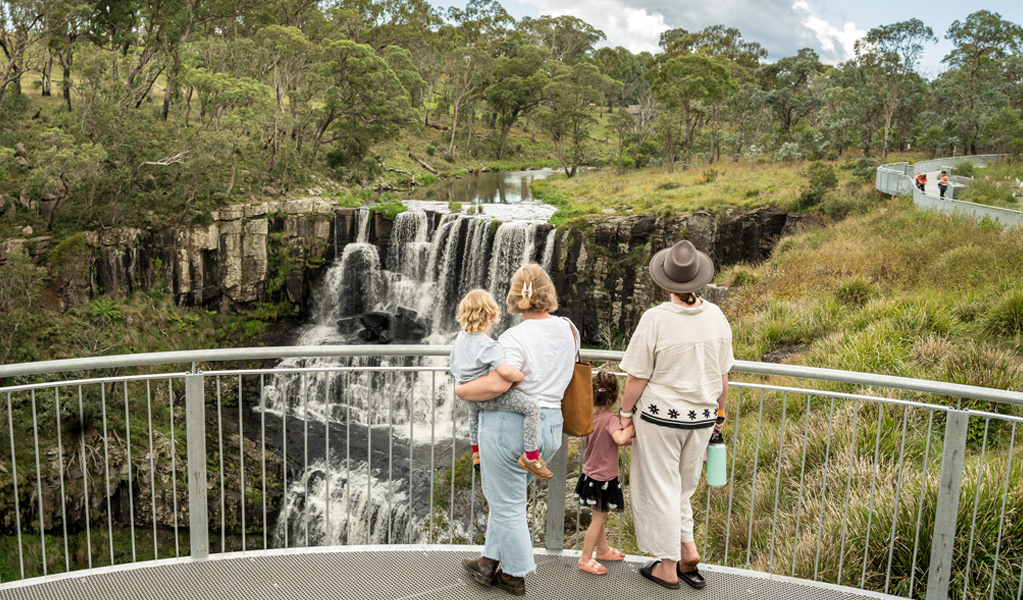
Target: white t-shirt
point(683, 352)
point(544, 350)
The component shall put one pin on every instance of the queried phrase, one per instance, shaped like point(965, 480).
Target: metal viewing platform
point(204, 474)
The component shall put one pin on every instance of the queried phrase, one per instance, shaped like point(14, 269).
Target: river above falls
point(502, 195)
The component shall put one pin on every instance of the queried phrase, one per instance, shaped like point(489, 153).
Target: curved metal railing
point(834, 476)
point(897, 179)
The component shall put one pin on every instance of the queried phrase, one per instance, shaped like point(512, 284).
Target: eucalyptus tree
point(22, 25)
point(890, 55)
point(741, 56)
point(982, 43)
point(570, 39)
point(65, 167)
point(787, 83)
point(69, 20)
point(685, 87)
point(363, 101)
point(568, 116)
point(518, 81)
point(288, 56)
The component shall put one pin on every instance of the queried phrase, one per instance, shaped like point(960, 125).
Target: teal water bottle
point(717, 471)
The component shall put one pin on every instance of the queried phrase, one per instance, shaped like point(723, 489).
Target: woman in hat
point(677, 363)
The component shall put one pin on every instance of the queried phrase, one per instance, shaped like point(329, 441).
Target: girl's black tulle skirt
point(601, 496)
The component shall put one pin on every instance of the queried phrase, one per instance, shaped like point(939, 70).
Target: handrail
point(277, 352)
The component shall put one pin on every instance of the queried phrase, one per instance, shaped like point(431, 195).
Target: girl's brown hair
point(477, 311)
point(605, 389)
point(531, 291)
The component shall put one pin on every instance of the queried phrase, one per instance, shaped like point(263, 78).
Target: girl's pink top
point(601, 459)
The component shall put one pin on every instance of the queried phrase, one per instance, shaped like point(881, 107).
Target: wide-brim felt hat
point(682, 268)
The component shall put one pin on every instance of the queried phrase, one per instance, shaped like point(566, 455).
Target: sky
point(782, 26)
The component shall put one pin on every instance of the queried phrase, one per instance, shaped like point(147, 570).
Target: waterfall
point(425, 275)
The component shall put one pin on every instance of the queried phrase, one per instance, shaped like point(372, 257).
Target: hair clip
point(527, 289)
point(601, 390)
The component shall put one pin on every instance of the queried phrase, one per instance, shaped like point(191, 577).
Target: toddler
point(599, 487)
point(473, 355)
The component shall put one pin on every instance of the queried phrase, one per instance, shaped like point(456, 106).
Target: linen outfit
point(544, 350)
point(599, 487)
point(474, 355)
point(683, 353)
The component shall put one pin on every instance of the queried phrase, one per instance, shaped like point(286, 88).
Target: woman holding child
point(543, 348)
point(677, 363)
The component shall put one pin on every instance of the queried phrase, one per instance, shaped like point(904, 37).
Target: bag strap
point(575, 337)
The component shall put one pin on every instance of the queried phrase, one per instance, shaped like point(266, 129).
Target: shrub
point(710, 175)
point(789, 151)
point(105, 310)
point(742, 277)
point(821, 179)
point(431, 150)
point(865, 169)
point(965, 169)
point(389, 210)
point(855, 292)
point(752, 193)
point(1006, 317)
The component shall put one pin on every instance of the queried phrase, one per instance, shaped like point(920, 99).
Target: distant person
point(544, 348)
point(599, 488)
point(678, 361)
point(473, 355)
point(942, 184)
point(921, 181)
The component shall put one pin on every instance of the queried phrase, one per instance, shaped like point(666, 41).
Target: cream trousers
point(664, 472)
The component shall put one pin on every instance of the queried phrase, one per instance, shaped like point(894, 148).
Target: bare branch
point(177, 159)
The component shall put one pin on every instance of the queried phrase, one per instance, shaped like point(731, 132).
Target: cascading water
point(405, 412)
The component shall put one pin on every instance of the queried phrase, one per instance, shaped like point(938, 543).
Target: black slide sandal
point(693, 578)
point(646, 571)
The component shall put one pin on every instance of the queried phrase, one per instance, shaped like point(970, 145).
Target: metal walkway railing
point(884, 484)
point(897, 179)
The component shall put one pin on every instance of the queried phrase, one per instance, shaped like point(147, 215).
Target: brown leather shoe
point(482, 569)
point(516, 586)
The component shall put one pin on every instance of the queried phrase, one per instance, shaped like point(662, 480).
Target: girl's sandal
point(612, 555)
point(592, 566)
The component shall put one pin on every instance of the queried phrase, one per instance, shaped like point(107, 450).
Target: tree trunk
point(234, 169)
point(47, 75)
point(454, 128)
point(65, 63)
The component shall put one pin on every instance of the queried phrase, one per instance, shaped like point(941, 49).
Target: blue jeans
point(504, 484)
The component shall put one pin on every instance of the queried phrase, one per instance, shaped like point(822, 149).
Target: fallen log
point(430, 169)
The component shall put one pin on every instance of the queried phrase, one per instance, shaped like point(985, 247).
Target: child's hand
point(630, 434)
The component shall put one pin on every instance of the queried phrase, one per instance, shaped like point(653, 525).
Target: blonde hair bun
point(531, 290)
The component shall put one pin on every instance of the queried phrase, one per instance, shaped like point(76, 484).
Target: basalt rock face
point(601, 269)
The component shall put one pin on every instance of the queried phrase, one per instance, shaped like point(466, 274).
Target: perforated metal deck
point(403, 572)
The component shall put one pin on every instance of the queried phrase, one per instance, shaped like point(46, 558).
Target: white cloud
point(837, 44)
point(634, 28)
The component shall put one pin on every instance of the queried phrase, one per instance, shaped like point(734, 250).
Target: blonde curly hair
point(531, 291)
point(477, 311)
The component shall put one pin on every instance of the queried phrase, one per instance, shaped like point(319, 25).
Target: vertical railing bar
point(241, 462)
point(824, 488)
point(946, 510)
point(533, 486)
point(39, 483)
point(85, 485)
point(326, 461)
point(131, 493)
point(873, 487)
point(284, 479)
point(174, 467)
point(706, 523)
point(753, 484)
point(198, 480)
point(14, 477)
point(472, 494)
point(777, 481)
point(802, 479)
point(60, 469)
point(731, 479)
point(898, 494)
point(220, 454)
point(579, 507)
point(348, 470)
point(622, 465)
point(920, 503)
point(1001, 519)
point(262, 450)
point(369, 455)
point(390, 454)
point(305, 454)
point(106, 471)
point(411, 445)
point(152, 463)
point(848, 490)
point(451, 503)
point(433, 445)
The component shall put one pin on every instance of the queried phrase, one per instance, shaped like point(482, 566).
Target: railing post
point(195, 433)
point(556, 497)
point(943, 540)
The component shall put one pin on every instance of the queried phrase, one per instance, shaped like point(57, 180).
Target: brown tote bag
point(577, 404)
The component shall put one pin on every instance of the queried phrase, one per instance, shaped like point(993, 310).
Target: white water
point(427, 272)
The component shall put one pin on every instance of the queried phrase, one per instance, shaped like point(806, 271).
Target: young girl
point(474, 355)
point(599, 488)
